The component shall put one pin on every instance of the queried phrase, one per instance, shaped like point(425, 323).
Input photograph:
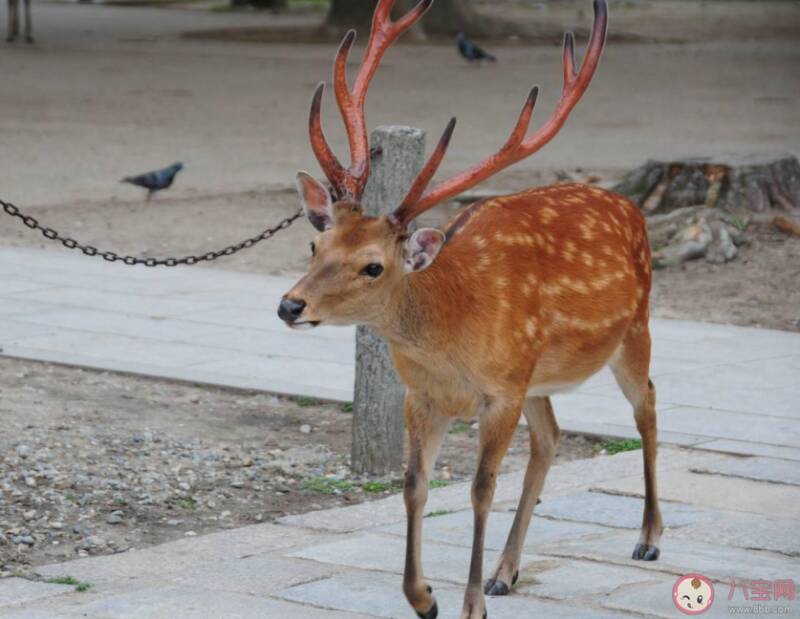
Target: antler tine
point(351, 183)
point(384, 32)
point(406, 211)
point(518, 147)
point(350, 117)
point(574, 85)
point(487, 167)
point(569, 58)
point(330, 165)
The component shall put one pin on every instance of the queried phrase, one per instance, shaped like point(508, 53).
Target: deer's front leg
point(426, 428)
point(498, 420)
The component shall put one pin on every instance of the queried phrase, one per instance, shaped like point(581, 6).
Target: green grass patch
point(64, 580)
point(347, 407)
point(438, 483)
point(615, 447)
point(438, 512)
point(326, 485)
point(304, 400)
point(70, 496)
point(80, 586)
point(382, 486)
point(186, 502)
point(459, 427)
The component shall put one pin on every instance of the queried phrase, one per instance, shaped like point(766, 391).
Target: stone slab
point(746, 448)
point(712, 491)
point(758, 469)
point(382, 596)
point(186, 603)
point(386, 553)
point(732, 388)
point(655, 600)
point(753, 531)
point(617, 511)
point(180, 557)
point(456, 529)
point(253, 575)
point(107, 348)
point(14, 591)
point(725, 424)
point(116, 323)
point(682, 556)
point(580, 579)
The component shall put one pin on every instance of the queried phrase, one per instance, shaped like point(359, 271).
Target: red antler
point(517, 147)
point(350, 184)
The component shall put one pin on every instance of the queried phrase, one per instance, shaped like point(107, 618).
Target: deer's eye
point(373, 270)
point(313, 248)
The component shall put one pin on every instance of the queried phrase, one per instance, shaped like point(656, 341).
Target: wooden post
point(397, 156)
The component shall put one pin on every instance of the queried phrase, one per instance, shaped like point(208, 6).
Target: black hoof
point(431, 614)
point(495, 587)
point(484, 614)
point(514, 578)
point(645, 552)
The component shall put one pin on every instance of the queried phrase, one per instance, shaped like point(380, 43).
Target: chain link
point(110, 256)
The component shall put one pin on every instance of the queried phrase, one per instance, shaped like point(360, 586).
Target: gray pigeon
point(155, 181)
point(470, 51)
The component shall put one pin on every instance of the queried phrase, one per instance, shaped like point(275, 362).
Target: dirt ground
point(109, 92)
point(97, 463)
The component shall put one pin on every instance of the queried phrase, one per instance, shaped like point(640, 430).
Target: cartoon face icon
point(693, 594)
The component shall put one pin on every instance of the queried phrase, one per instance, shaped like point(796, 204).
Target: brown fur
point(531, 293)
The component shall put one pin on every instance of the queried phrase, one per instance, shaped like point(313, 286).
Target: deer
point(517, 298)
point(13, 21)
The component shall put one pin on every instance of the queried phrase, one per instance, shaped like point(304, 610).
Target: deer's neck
point(426, 308)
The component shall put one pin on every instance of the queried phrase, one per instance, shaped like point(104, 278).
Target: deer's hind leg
point(544, 438)
point(631, 367)
point(13, 20)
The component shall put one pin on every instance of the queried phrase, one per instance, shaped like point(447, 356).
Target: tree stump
point(397, 157)
point(754, 183)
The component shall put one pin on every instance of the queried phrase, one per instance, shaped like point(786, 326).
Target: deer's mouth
point(304, 324)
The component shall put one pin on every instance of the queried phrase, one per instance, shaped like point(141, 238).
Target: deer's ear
point(316, 201)
point(421, 249)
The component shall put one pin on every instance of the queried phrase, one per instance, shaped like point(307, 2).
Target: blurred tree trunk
point(351, 13)
point(444, 17)
point(274, 5)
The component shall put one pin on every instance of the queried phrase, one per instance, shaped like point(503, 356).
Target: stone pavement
point(726, 517)
point(722, 388)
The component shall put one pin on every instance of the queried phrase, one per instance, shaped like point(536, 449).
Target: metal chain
point(111, 256)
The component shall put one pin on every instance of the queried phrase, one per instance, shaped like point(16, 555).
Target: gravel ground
point(95, 463)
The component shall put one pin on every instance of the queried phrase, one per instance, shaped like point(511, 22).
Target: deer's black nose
point(290, 309)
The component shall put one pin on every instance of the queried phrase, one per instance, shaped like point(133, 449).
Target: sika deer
point(518, 298)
